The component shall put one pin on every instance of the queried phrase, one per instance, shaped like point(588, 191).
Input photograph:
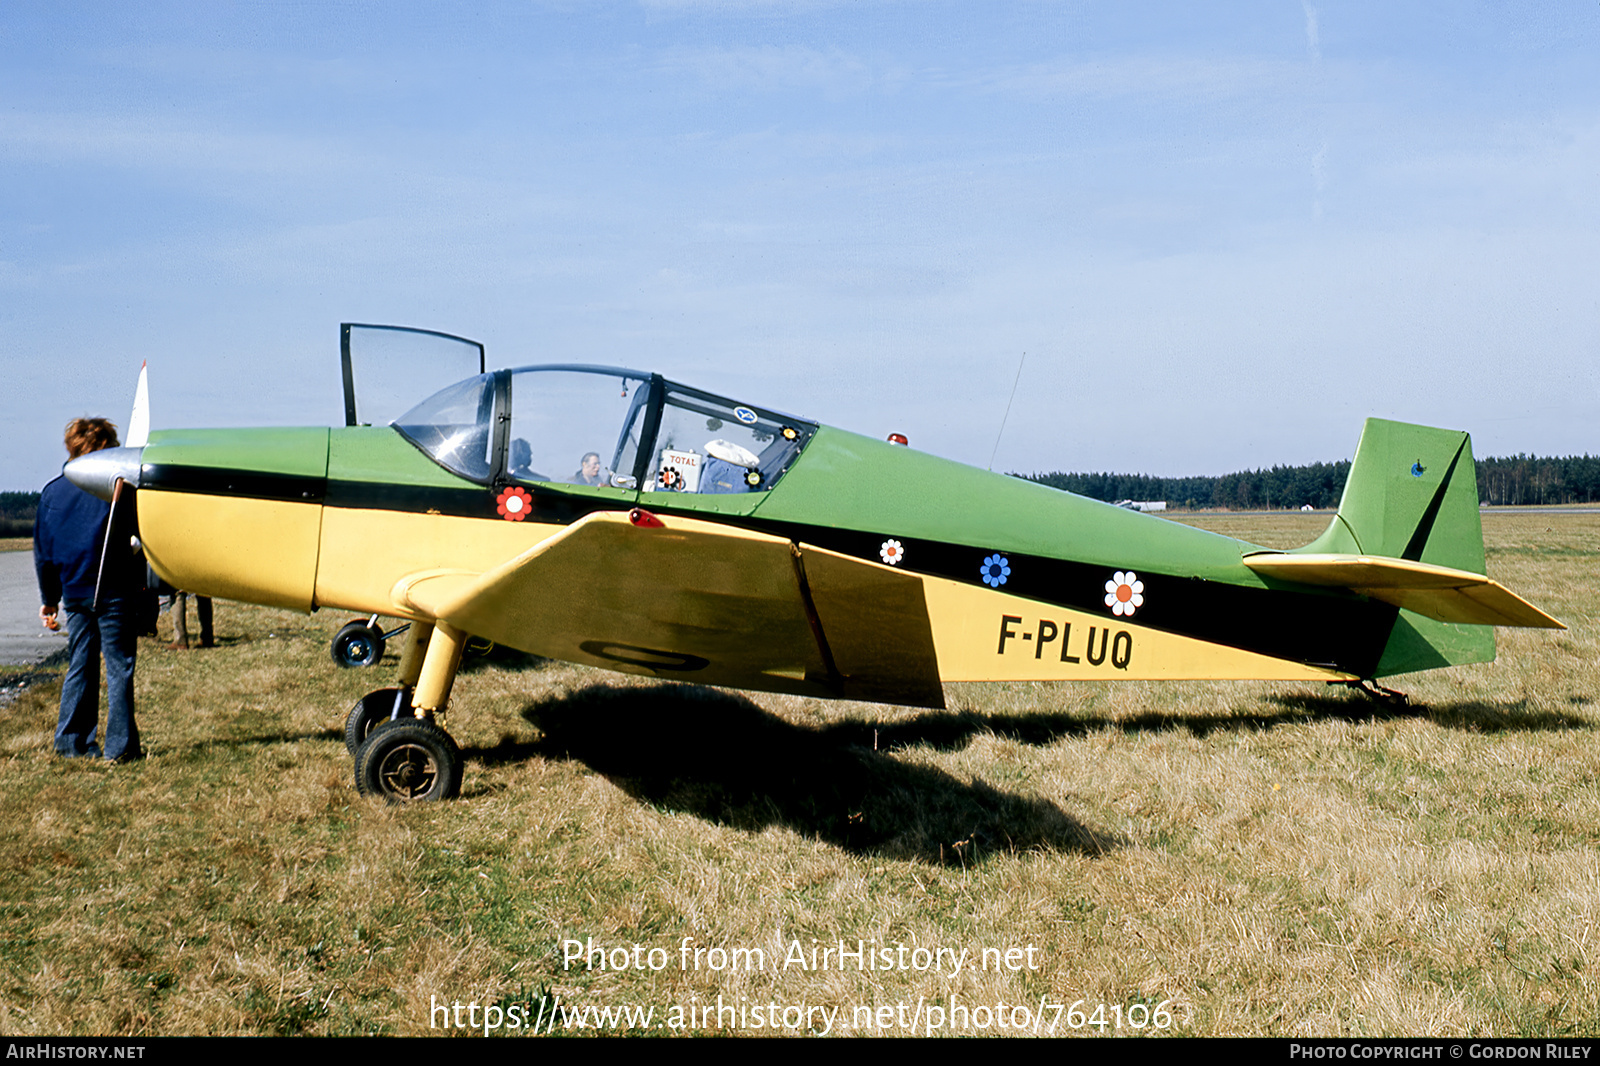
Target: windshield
point(453, 427)
point(709, 445)
point(605, 428)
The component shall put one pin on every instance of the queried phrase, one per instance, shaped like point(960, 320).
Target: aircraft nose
point(97, 472)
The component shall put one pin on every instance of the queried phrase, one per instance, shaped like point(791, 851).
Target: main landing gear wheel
point(357, 644)
point(408, 760)
point(376, 706)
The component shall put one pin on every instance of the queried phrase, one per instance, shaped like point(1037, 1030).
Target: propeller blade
point(139, 421)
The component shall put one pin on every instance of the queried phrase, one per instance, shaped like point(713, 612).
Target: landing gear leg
point(418, 637)
point(390, 704)
point(439, 665)
point(408, 755)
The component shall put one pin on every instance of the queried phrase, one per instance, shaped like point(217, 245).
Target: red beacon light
point(900, 439)
point(644, 519)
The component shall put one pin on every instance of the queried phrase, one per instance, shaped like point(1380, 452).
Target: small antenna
point(1007, 415)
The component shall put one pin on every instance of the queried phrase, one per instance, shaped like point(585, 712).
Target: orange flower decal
point(513, 503)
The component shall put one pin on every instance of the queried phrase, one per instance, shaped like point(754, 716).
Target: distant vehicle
point(1146, 506)
point(617, 518)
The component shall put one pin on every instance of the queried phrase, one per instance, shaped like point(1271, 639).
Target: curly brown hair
point(85, 435)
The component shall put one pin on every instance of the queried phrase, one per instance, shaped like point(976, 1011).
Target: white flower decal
point(892, 552)
point(1124, 592)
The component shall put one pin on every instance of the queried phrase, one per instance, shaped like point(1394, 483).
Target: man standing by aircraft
point(67, 540)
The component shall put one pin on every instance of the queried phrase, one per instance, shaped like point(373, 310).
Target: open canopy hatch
point(393, 365)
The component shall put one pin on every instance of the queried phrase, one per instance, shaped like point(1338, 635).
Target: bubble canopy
point(603, 427)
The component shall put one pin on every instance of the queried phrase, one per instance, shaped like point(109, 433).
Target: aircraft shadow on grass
point(952, 730)
point(721, 757)
point(741, 732)
point(1476, 716)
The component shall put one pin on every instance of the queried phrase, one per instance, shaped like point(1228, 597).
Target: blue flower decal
point(995, 569)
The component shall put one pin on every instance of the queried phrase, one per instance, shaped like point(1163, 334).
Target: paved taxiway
point(22, 638)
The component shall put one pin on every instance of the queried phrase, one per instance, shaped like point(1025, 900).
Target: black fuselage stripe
point(1342, 632)
point(215, 481)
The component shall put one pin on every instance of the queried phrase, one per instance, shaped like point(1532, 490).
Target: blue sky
point(1223, 234)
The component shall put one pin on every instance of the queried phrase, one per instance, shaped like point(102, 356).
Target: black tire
point(357, 644)
point(408, 761)
point(375, 707)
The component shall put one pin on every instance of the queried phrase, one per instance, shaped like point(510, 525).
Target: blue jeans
point(111, 633)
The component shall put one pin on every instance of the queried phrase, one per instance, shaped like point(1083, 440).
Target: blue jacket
point(66, 542)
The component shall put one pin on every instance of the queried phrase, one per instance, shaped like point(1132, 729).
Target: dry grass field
point(1251, 859)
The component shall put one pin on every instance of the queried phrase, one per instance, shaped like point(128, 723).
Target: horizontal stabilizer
point(1438, 592)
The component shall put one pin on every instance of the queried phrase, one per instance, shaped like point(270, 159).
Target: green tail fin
point(1413, 494)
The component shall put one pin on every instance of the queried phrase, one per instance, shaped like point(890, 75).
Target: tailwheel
point(411, 759)
point(376, 706)
point(1386, 697)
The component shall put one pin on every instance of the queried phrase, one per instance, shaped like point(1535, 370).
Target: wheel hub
point(408, 771)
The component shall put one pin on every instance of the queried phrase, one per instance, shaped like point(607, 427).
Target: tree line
point(17, 510)
point(1516, 480)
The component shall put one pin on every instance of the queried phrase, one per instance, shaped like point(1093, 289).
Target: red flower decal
point(513, 503)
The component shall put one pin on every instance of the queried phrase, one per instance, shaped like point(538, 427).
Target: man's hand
point(47, 615)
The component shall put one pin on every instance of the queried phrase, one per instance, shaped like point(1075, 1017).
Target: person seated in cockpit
point(520, 462)
point(728, 468)
point(589, 472)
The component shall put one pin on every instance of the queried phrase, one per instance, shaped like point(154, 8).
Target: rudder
point(1412, 494)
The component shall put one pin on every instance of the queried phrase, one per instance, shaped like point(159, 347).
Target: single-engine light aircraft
point(615, 518)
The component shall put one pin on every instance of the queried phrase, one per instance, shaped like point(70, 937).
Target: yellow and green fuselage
point(869, 571)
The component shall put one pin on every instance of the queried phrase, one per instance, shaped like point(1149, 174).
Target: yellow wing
point(698, 601)
point(1438, 592)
